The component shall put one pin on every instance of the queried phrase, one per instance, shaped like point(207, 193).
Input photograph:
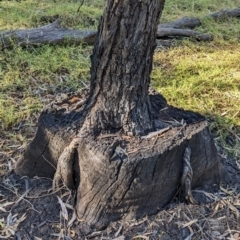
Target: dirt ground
point(29, 209)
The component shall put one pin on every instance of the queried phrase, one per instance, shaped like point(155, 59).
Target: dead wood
point(185, 22)
point(176, 32)
point(116, 177)
point(54, 33)
point(226, 13)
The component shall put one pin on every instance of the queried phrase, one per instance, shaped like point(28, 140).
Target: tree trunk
point(123, 148)
point(118, 176)
point(121, 67)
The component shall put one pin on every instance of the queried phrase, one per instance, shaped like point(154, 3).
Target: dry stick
point(81, 3)
point(175, 32)
point(46, 195)
point(108, 135)
point(153, 134)
point(20, 197)
point(226, 13)
point(198, 225)
point(48, 162)
point(31, 197)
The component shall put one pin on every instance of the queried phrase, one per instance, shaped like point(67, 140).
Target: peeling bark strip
point(55, 34)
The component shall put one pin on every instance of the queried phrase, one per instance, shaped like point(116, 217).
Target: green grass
point(180, 8)
point(203, 77)
point(28, 13)
point(30, 75)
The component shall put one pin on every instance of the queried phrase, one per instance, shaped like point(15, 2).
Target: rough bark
point(121, 66)
point(132, 183)
point(118, 176)
point(55, 34)
point(128, 158)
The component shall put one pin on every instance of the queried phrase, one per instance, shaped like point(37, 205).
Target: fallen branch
point(176, 32)
point(226, 13)
point(185, 22)
point(54, 33)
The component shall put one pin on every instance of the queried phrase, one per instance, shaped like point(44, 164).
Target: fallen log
point(226, 13)
point(185, 22)
point(54, 33)
point(176, 32)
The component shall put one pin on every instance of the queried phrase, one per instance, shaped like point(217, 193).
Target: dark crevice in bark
point(35, 163)
point(131, 182)
point(117, 173)
point(90, 201)
point(120, 104)
point(154, 170)
point(121, 67)
point(97, 211)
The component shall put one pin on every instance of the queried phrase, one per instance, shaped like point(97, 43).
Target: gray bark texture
point(52, 34)
point(118, 176)
point(121, 66)
point(120, 145)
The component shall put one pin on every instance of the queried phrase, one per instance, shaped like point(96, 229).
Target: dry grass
point(203, 77)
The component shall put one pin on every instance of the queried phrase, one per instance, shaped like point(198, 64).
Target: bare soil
point(30, 209)
point(216, 216)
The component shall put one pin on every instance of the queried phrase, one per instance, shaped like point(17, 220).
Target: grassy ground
point(199, 76)
point(203, 77)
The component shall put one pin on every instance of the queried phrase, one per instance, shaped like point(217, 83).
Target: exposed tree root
point(186, 180)
point(64, 173)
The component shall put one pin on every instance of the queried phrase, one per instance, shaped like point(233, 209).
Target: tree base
point(136, 177)
point(118, 176)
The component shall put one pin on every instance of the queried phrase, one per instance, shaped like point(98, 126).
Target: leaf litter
point(29, 209)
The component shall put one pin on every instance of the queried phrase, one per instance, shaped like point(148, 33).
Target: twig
point(48, 162)
point(21, 198)
point(81, 3)
point(153, 134)
point(143, 148)
point(107, 135)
